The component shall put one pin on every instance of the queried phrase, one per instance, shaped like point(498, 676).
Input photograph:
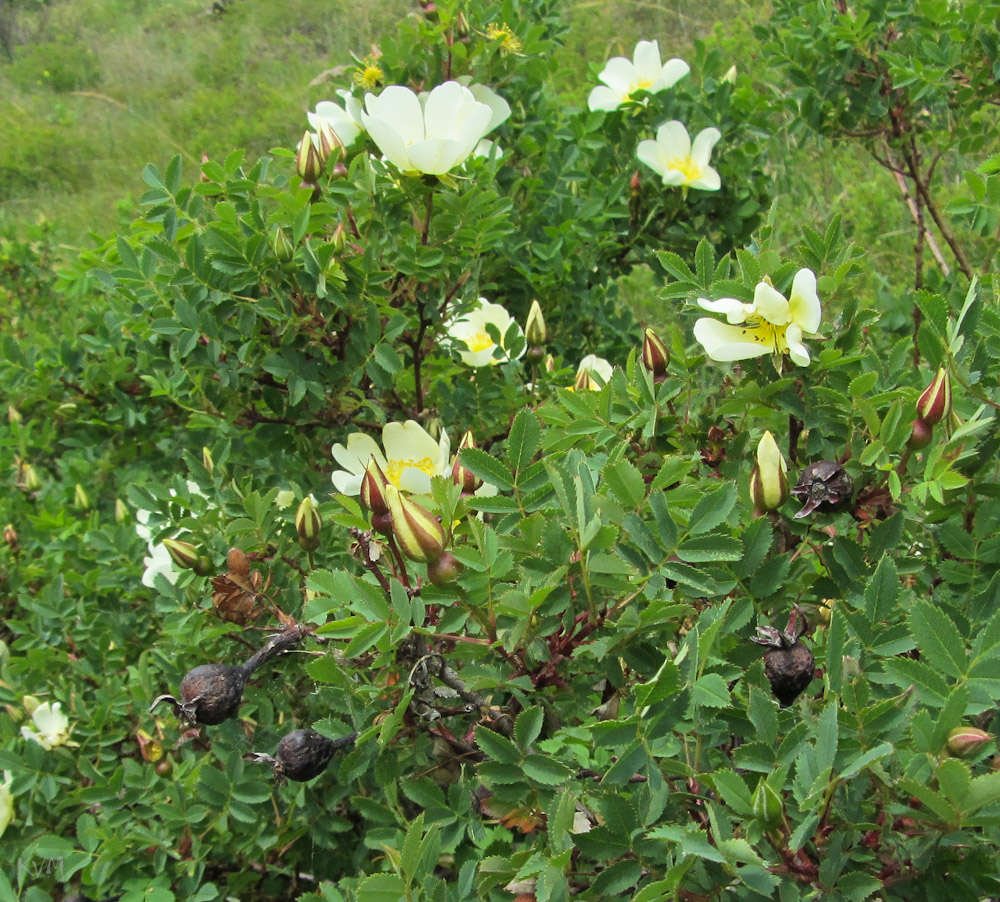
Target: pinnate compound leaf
point(938, 639)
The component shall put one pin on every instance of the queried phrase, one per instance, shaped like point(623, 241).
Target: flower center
point(691, 170)
point(396, 466)
point(370, 76)
point(767, 334)
point(479, 341)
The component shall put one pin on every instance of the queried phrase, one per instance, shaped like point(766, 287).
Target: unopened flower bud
point(81, 500)
point(27, 478)
point(13, 415)
point(459, 474)
point(308, 162)
point(730, 75)
point(121, 511)
point(417, 531)
point(921, 434)
point(655, 355)
point(308, 523)
point(330, 145)
point(373, 485)
point(935, 403)
point(769, 477)
point(767, 805)
point(338, 240)
point(462, 30)
point(535, 333)
point(549, 364)
point(444, 570)
point(633, 183)
point(282, 247)
point(338, 172)
point(187, 556)
point(30, 703)
point(966, 741)
point(10, 536)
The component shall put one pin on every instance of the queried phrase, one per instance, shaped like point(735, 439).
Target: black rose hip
point(212, 693)
point(303, 754)
point(788, 663)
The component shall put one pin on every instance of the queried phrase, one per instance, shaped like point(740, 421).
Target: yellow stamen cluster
point(510, 44)
point(394, 469)
point(369, 74)
point(691, 170)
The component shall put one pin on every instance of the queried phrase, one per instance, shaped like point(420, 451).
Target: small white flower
point(51, 726)
point(411, 458)
point(590, 366)
point(431, 132)
point(469, 332)
point(344, 120)
point(6, 802)
point(679, 162)
point(644, 72)
point(770, 325)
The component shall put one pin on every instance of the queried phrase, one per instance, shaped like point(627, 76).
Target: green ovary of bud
point(935, 403)
point(282, 246)
point(417, 531)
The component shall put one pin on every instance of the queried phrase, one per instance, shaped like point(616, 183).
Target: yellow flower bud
point(769, 477)
point(535, 333)
point(655, 355)
point(935, 403)
point(460, 475)
point(308, 162)
point(308, 523)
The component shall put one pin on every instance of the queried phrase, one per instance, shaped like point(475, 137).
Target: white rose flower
point(679, 162)
point(644, 72)
point(51, 726)
point(410, 459)
point(469, 331)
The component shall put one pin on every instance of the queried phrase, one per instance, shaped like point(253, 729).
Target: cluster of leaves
point(578, 714)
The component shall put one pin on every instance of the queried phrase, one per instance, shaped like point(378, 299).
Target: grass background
point(92, 90)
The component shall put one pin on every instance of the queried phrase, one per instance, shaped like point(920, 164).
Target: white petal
point(347, 483)
point(673, 139)
point(399, 107)
point(803, 303)
point(342, 123)
point(389, 141)
point(28, 733)
point(671, 73)
point(709, 180)
point(701, 149)
point(770, 304)
point(435, 155)
point(650, 153)
point(619, 75)
point(442, 108)
point(408, 441)
point(603, 98)
point(736, 311)
point(499, 107)
point(415, 481)
point(796, 350)
point(647, 60)
point(724, 342)
point(361, 448)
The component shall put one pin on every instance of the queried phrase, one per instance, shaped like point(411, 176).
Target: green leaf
point(757, 539)
point(710, 548)
point(615, 879)
point(690, 841)
point(546, 770)
point(381, 888)
point(954, 780)
point(528, 726)
point(712, 509)
point(862, 761)
point(930, 685)
point(626, 483)
point(984, 790)
point(497, 747)
point(711, 691)
point(733, 791)
point(938, 639)
point(487, 468)
point(882, 591)
point(525, 436)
